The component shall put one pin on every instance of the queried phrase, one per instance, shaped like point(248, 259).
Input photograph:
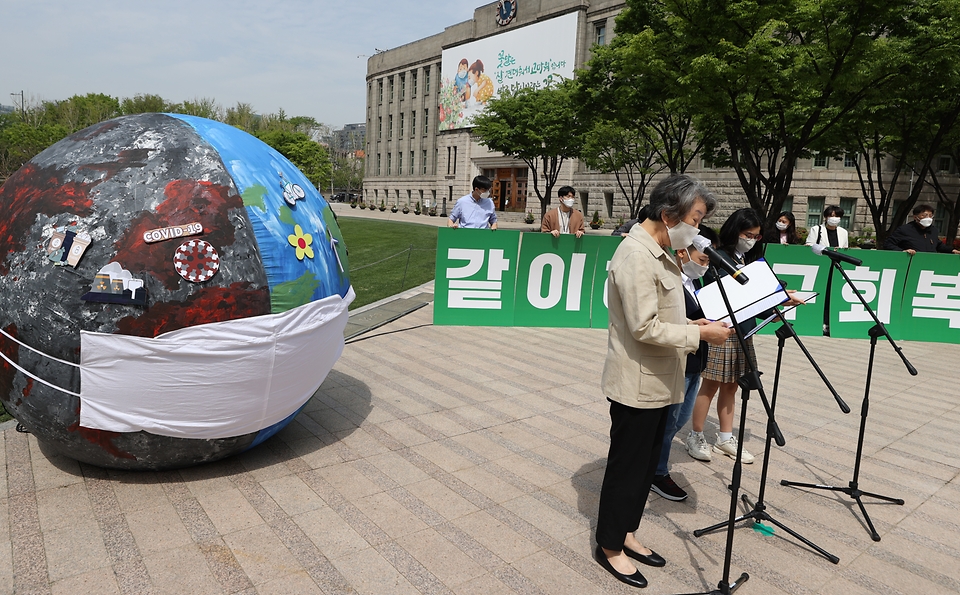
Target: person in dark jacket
point(693, 265)
point(919, 235)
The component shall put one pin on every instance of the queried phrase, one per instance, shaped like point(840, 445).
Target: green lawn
point(370, 241)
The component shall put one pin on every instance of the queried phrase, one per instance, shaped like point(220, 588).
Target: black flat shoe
point(634, 580)
point(654, 559)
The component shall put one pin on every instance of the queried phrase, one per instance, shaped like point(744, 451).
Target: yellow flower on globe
point(301, 241)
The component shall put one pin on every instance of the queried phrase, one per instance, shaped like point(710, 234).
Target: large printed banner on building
point(505, 278)
point(475, 72)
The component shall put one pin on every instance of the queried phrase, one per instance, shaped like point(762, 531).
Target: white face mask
point(744, 245)
point(833, 221)
point(309, 336)
point(681, 235)
point(926, 221)
point(782, 226)
point(694, 270)
point(567, 202)
point(485, 194)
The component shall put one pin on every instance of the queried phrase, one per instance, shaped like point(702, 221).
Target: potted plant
point(529, 218)
point(383, 206)
point(432, 211)
point(406, 209)
point(353, 204)
point(869, 242)
point(620, 221)
point(596, 222)
point(416, 209)
point(394, 208)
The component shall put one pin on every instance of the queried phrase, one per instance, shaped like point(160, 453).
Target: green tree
point(537, 126)
point(144, 104)
point(629, 155)
point(81, 111)
point(243, 117)
point(775, 76)
point(899, 130)
point(202, 107)
point(20, 141)
point(308, 155)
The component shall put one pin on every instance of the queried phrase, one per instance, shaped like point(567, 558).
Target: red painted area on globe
point(196, 261)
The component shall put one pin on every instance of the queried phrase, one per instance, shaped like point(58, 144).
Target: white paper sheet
point(762, 292)
point(805, 296)
point(213, 380)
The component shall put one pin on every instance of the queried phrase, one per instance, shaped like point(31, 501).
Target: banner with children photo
point(475, 72)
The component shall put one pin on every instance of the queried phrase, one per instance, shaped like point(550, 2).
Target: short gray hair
point(676, 195)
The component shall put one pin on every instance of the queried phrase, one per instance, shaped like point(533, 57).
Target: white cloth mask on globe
point(782, 226)
point(681, 235)
point(833, 221)
point(567, 202)
point(926, 221)
point(744, 245)
point(694, 270)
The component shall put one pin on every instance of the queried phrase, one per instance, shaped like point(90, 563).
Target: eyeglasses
point(751, 236)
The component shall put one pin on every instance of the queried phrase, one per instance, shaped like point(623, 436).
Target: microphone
point(720, 259)
point(836, 256)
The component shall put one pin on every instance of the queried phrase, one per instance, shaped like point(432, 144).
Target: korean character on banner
point(873, 286)
point(484, 293)
point(808, 273)
point(945, 300)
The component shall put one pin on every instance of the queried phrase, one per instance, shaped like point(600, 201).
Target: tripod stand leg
point(884, 498)
point(759, 514)
point(816, 486)
point(866, 517)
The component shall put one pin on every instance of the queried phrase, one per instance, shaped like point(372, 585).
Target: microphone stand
point(749, 381)
point(758, 510)
point(853, 488)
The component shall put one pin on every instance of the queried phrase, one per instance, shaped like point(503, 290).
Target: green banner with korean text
point(476, 277)
point(505, 278)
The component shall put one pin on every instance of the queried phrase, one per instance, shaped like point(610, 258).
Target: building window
point(389, 163)
point(399, 163)
point(448, 160)
point(413, 123)
point(378, 165)
point(403, 86)
point(379, 127)
point(819, 161)
point(411, 163)
point(944, 165)
point(436, 157)
point(400, 131)
point(423, 162)
point(600, 33)
point(390, 127)
point(815, 205)
point(413, 84)
point(849, 206)
point(380, 91)
point(787, 204)
point(426, 79)
point(426, 121)
point(455, 161)
point(851, 160)
point(391, 88)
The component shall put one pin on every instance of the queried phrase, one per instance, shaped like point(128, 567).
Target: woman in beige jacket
point(649, 337)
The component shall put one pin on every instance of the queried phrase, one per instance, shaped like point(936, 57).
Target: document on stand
point(762, 292)
point(804, 296)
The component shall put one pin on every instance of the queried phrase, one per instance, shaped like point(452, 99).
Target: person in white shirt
point(829, 233)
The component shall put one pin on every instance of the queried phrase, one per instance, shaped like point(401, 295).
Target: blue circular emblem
point(506, 11)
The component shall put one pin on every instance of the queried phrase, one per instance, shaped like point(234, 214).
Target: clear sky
point(299, 55)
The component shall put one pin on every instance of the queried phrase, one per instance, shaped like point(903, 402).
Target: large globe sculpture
point(172, 291)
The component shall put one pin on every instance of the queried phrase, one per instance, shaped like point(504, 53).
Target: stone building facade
point(408, 160)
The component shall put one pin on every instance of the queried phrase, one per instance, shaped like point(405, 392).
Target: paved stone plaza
point(468, 460)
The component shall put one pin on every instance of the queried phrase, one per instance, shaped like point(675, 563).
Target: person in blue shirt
point(475, 210)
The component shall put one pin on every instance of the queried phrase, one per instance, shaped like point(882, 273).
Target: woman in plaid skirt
point(740, 239)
